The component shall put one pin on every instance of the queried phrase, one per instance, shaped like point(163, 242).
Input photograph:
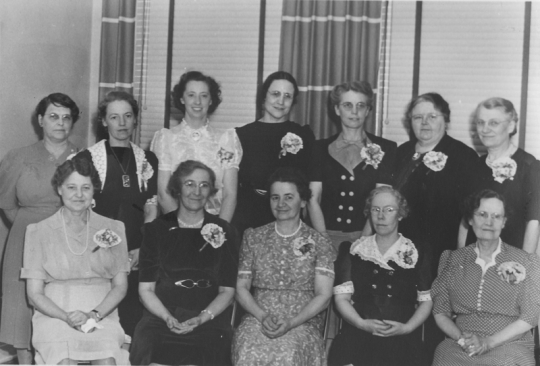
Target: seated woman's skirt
point(54, 340)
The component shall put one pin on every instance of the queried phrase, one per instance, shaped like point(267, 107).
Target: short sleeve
point(10, 170)
point(161, 146)
point(246, 256)
point(229, 260)
point(440, 290)
point(532, 189)
point(529, 298)
point(326, 255)
point(33, 258)
point(230, 150)
point(149, 254)
point(121, 250)
point(424, 276)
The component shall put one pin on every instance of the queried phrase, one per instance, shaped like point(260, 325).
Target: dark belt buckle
point(189, 283)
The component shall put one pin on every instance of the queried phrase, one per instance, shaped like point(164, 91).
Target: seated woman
point(76, 265)
point(188, 263)
point(291, 267)
point(487, 296)
point(383, 291)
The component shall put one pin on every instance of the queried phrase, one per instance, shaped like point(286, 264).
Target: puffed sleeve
point(247, 256)
point(149, 254)
point(424, 275)
point(440, 289)
point(161, 146)
point(326, 255)
point(33, 258)
point(230, 150)
point(343, 283)
point(529, 297)
point(532, 189)
point(10, 171)
point(229, 260)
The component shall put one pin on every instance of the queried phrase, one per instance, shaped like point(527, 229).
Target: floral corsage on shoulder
point(435, 160)
point(304, 248)
point(503, 169)
point(372, 155)
point(291, 143)
point(512, 272)
point(106, 238)
point(225, 157)
point(214, 235)
point(406, 255)
point(145, 173)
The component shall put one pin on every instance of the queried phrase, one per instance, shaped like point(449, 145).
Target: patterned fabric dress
point(485, 304)
point(283, 281)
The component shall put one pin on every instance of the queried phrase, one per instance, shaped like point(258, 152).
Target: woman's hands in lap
point(392, 329)
point(77, 318)
point(474, 345)
point(184, 327)
point(275, 327)
point(374, 326)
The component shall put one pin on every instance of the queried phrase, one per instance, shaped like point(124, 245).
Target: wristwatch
point(97, 314)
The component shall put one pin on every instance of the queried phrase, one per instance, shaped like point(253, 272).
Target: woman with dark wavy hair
point(198, 96)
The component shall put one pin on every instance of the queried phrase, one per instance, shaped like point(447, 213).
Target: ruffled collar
point(402, 252)
point(195, 133)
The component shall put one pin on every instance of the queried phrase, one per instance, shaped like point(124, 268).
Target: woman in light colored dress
point(198, 96)
point(76, 265)
point(27, 197)
point(291, 269)
point(487, 295)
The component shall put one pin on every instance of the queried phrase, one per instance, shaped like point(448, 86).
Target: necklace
point(182, 224)
point(125, 177)
point(87, 232)
point(290, 235)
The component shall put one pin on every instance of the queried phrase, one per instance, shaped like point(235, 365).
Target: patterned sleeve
point(33, 258)
point(424, 276)
point(246, 256)
point(529, 297)
point(532, 188)
point(10, 170)
point(149, 254)
point(326, 255)
point(230, 150)
point(229, 260)
point(343, 283)
point(161, 146)
point(440, 291)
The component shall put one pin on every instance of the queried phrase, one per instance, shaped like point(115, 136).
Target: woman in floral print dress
point(291, 269)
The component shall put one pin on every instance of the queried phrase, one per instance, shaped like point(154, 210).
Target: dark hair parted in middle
point(278, 75)
point(472, 202)
point(436, 99)
point(117, 95)
point(80, 165)
point(293, 176)
point(403, 206)
point(185, 169)
point(59, 100)
point(362, 87)
point(180, 88)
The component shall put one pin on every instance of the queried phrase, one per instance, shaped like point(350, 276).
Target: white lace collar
point(195, 133)
point(402, 252)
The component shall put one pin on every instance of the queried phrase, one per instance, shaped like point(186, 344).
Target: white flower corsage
point(145, 174)
point(504, 168)
point(372, 154)
point(225, 156)
point(304, 248)
point(435, 160)
point(512, 272)
point(291, 143)
point(106, 238)
point(406, 255)
point(214, 235)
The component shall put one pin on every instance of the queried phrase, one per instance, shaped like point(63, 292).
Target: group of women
point(265, 212)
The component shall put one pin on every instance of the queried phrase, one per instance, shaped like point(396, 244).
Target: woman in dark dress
point(129, 181)
point(187, 278)
point(268, 144)
point(509, 171)
point(383, 291)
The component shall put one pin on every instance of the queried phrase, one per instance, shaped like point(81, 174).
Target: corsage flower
point(512, 272)
point(372, 154)
point(504, 168)
point(146, 172)
point(406, 255)
point(224, 156)
point(291, 143)
point(304, 248)
point(214, 235)
point(106, 238)
point(435, 160)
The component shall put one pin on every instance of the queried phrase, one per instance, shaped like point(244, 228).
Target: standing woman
point(268, 144)
point(198, 96)
point(27, 197)
point(129, 180)
point(509, 171)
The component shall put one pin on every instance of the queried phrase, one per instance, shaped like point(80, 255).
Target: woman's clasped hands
point(384, 328)
point(274, 326)
point(182, 328)
point(76, 319)
point(473, 345)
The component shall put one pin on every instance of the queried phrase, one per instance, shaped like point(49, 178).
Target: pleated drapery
point(324, 43)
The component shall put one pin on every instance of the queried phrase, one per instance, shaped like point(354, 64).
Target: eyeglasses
point(386, 210)
point(192, 184)
point(190, 283)
point(348, 106)
point(65, 117)
point(491, 123)
point(431, 117)
point(484, 215)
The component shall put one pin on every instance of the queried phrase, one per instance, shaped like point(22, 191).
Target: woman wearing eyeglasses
point(382, 291)
point(509, 171)
point(487, 294)
point(188, 264)
point(27, 197)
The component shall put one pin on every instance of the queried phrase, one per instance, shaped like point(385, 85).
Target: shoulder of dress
point(385, 143)
point(524, 157)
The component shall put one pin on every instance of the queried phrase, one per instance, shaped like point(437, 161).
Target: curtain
point(117, 49)
point(324, 43)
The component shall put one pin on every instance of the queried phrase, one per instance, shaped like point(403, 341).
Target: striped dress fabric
point(485, 304)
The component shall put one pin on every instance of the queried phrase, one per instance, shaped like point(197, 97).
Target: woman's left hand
point(474, 345)
point(394, 329)
point(76, 318)
point(283, 326)
point(189, 325)
point(134, 259)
